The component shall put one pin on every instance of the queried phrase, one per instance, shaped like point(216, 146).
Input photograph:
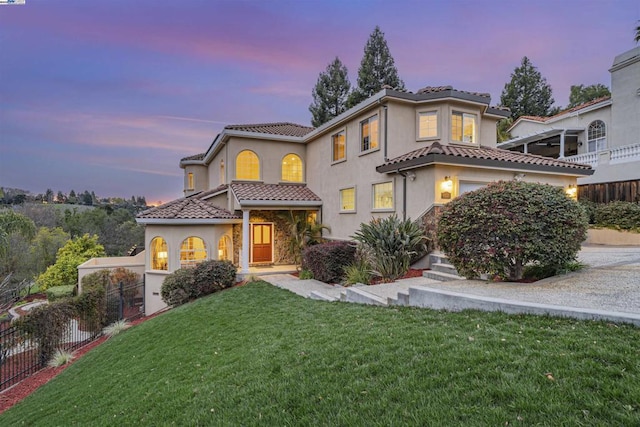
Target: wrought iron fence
point(22, 354)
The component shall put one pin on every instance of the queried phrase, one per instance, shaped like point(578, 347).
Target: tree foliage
point(580, 94)
point(390, 244)
point(527, 93)
point(377, 69)
point(302, 233)
point(499, 229)
point(11, 222)
point(636, 38)
point(69, 257)
point(330, 93)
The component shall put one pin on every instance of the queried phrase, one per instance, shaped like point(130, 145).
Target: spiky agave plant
point(391, 242)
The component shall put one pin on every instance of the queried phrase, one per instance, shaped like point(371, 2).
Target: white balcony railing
point(585, 159)
point(625, 154)
point(628, 153)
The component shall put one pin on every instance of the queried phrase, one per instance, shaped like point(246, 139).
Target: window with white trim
point(383, 195)
point(597, 136)
point(427, 124)
point(338, 146)
point(159, 254)
point(463, 127)
point(348, 199)
point(192, 251)
point(369, 134)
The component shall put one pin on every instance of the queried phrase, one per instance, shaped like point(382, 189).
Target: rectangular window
point(463, 127)
point(428, 125)
point(369, 134)
point(339, 145)
point(348, 199)
point(383, 195)
point(190, 181)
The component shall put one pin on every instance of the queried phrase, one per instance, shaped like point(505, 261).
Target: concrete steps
point(441, 268)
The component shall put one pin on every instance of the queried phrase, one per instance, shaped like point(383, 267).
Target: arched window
point(192, 251)
point(597, 136)
point(247, 166)
point(292, 168)
point(159, 254)
point(224, 248)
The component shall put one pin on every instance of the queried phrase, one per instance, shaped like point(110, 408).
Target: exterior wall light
point(572, 192)
point(446, 188)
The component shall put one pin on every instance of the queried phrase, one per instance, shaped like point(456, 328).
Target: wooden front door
point(261, 243)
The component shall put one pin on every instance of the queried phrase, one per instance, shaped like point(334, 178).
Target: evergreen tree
point(330, 93)
point(637, 31)
point(48, 195)
point(377, 69)
point(527, 94)
point(581, 94)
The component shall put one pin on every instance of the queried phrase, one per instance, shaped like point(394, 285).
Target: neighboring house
point(604, 133)
point(395, 153)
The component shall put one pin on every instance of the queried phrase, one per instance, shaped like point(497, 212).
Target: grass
point(257, 355)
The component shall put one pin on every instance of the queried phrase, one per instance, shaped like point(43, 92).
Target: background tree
point(10, 223)
point(69, 257)
point(502, 129)
point(527, 94)
point(377, 69)
point(637, 37)
point(330, 93)
point(581, 94)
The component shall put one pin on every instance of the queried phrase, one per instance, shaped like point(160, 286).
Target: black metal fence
point(22, 354)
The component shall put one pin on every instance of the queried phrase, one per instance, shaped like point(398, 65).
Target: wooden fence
point(626, 191)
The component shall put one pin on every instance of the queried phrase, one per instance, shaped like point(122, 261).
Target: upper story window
point(223, 178)
point(463, 127)
point(247, 166)
point(427, 124)
point(348, 199)
point(192, 251)
point(292, 168)
point(597, 136)
point(369, 134)
point(383, 195)
point(338, 147)
point(159, 254)
point(190, 183)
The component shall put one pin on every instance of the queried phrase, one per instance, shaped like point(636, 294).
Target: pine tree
point(527, 94)
point(330, 93)
point(377, 69)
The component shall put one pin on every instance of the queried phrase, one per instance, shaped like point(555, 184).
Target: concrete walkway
point(609, 288)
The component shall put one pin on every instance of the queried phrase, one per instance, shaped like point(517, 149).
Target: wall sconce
point(519, 176)
point(411, 176)
point(446, 188)
point(572, 192)
point(579, 143)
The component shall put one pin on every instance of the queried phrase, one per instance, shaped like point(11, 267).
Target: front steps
point(441, 269)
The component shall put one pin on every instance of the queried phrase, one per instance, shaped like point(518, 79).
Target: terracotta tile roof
point(283, 128)
point(568, 110)
point(481, 153)
point(194, 157)
point(247, 192)
point(190, 207)
point(436, 89)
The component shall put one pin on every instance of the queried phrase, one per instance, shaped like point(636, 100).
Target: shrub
point(46, 325)
point(618, 215)
point(358, 272)
point(212, 276)
point(391, 244)
point(116, 327)
point(305, 275)
point(327, 261)
point(497, 230)
point(60, 358)
point(60, 292)
point(178, 286)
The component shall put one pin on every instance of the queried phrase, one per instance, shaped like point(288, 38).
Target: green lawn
point(258, 355)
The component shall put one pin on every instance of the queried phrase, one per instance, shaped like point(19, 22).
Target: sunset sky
point(108, 95)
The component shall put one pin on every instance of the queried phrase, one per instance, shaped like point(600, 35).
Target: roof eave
point(188, 221)
point(483, 163)
point(279, 203)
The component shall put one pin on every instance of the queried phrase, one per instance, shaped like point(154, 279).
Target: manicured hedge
point(618, 215)
point(327, 261)
point(187, 284)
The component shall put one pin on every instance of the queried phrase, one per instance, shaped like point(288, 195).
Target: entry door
point(261, 245)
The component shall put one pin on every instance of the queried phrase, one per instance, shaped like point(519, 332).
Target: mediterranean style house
point(397, 153)
point(603, 133)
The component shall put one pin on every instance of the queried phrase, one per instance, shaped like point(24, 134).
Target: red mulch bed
point(413, 272)
point(24, 388)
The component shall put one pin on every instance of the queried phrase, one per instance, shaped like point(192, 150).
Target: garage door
point(466, 186)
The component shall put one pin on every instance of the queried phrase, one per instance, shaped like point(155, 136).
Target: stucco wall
point(133, 263)
point(625, 84)
point(200, 179)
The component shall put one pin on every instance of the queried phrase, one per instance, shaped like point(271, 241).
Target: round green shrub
point(618, 215)
point(177, 287)
point(187, 284)
point(499, 229)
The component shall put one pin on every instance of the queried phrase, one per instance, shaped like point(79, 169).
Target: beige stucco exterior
point(134, 263)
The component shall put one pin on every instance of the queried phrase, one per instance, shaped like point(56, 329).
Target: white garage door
point(466, 186)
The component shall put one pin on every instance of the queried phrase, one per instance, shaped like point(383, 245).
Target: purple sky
point(108, 95)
